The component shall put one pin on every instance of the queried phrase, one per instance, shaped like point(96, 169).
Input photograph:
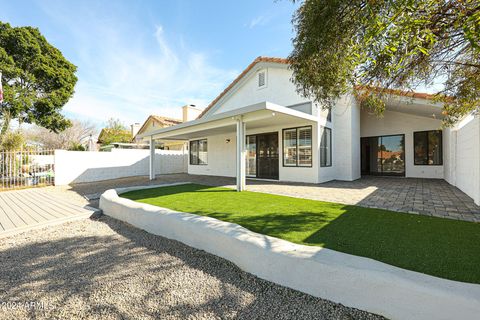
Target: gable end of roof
point(239, 77)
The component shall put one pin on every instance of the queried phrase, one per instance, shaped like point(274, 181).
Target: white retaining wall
point(85, 166)
point(351, 280)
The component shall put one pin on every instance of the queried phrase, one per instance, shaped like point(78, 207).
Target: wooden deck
point(21, 210)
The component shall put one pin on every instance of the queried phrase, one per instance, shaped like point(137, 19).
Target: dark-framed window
point(297, 147)
point(326, 148)
point(198, 152)
point(428, 148)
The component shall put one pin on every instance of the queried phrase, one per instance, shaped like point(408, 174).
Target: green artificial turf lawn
point(440, 247)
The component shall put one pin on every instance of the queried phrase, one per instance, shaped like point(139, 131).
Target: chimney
point(190, 112)
point(134, 129)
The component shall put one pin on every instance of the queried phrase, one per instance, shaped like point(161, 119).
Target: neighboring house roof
point(162, 121)
point(412, 94)
point(389, 154)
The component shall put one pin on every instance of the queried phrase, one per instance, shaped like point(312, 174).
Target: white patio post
point(240, 154)
point(152, 159)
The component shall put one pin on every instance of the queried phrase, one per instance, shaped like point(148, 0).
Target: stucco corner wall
point(346, 141)
point(466, 175)
point(351, 280)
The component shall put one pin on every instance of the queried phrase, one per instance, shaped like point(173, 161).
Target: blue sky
point(137, 58)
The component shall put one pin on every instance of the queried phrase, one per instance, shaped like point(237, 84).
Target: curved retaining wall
point(350, 280)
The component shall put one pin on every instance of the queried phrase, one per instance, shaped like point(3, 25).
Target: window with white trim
point(297, 147)
point(326, 148)
point(198, 152)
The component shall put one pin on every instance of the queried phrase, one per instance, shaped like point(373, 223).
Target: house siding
point(279, 90)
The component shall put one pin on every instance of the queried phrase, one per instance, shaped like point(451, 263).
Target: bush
point(76, 147)
point(11, 141)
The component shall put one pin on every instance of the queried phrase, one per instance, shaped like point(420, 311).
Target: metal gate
point(26, 168)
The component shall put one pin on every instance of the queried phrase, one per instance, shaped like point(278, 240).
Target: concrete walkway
point(431, 197)
point(23, 210)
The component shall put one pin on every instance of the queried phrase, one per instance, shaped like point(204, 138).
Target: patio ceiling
point(255, 116)
point(419, 107)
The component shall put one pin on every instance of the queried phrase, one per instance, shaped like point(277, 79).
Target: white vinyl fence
point(26, 168)
point(84, 166)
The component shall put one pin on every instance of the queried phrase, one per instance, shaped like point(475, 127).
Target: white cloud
point(126, 76)
point(259, 21)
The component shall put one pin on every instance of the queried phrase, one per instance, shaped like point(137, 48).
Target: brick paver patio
point(423, 196)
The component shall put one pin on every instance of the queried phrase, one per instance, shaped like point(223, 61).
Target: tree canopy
point(37, 79)
point(108, 136)
point(115, 131)
point(71, 138)
point(115, 124)
point(374, 47)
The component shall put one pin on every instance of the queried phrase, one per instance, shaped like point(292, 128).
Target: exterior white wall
point(467, 170)
point(346, 141)
point(222, 156)
point(400, 123)
point(449, 154)
point(84, 166)
point(325, 173)
point(353, 281)
point(279, 90)
point(221, 159)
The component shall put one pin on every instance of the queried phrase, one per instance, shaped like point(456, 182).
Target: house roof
point(240, 76)
point(165, 121)
point(412, 94)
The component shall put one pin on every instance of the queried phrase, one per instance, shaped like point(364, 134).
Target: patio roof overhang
point(254, 116)
point(415, 106)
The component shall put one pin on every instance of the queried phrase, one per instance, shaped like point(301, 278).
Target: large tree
point(37, 79)
point(374, 47)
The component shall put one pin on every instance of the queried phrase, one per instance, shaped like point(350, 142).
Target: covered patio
point(254, 117)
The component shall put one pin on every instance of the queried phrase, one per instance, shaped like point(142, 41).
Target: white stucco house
point(259, 127)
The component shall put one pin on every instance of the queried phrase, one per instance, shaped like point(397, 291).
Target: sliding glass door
point(383, 155)
point(262, 156)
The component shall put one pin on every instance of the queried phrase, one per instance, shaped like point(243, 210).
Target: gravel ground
point(109, 270)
